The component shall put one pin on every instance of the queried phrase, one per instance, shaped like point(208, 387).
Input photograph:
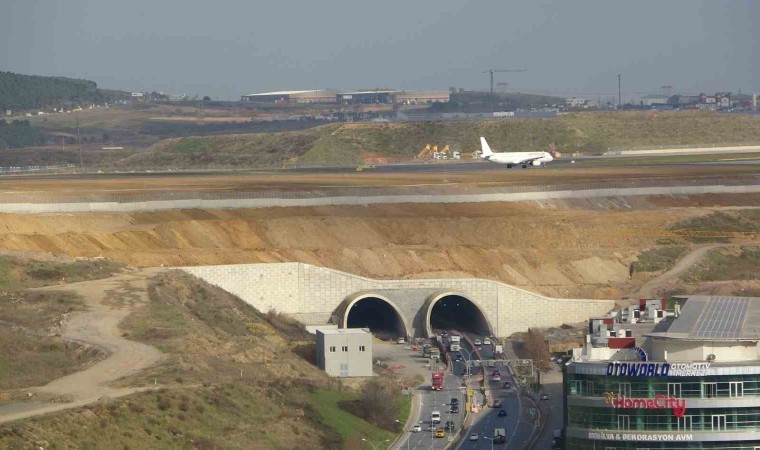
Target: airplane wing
point(526, 160)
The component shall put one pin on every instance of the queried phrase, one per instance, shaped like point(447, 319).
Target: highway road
point(437, 401)
point(518, 424)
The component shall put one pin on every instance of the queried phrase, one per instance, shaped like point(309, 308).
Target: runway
point(451, 174)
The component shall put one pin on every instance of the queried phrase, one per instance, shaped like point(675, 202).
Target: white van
point(435, 417)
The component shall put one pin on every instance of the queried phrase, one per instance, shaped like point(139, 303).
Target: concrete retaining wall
point(156, 205)
point(314, 295)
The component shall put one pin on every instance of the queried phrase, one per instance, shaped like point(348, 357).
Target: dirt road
point(649, 289)
point(109, 301)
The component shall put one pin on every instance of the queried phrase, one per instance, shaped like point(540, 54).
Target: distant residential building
point(591, 104)
point(345, 352)
point(8, 112)
point(293, 97)
point(574, 102)
point(137, 94)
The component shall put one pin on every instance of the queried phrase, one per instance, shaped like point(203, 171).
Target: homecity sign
point(660, 401)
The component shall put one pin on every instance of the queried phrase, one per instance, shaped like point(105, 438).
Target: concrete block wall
point(313, 295)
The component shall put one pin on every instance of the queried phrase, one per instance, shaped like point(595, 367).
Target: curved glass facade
point(722, 411)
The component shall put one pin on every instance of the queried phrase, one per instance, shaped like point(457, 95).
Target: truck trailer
point(437, 381)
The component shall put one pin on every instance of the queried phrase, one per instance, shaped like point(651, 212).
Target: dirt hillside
point(568, 248)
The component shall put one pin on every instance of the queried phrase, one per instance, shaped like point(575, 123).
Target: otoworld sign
point(660, 401)
point(636, 369)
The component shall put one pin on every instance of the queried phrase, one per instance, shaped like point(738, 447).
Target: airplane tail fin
point(486, 150)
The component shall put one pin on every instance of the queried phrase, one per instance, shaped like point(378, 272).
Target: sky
point(226, 48)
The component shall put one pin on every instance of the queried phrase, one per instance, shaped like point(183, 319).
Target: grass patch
point(29, 360)
point(657, 259)
point(211, 336)
point(17, 273)
point(726, 265)
point(351, 428)
point(230, 416)
point(348, 143)
point(747, 220)
point(37, 310)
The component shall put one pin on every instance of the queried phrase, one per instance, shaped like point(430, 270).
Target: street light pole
point(490, 439)
point(409, 438)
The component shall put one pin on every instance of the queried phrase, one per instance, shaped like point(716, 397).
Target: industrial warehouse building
point(348, 98)
point(345, 352)
point(294, 97)
point(366, 97)
point(693, 383)
point(420, 97)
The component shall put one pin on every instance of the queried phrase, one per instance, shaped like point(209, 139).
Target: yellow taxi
point(440, 433)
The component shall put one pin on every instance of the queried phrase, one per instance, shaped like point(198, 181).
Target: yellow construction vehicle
point(425, 152)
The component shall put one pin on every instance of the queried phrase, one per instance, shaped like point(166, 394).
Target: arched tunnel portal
point(376, 312)
point(454, 311)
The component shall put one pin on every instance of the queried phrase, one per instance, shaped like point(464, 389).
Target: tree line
point(23, 92)
point(19, 133)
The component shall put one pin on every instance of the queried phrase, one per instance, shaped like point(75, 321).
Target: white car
point(486, 341)
point(416, 429)
point(477, 342)
point(473, 437)
point(401, 341)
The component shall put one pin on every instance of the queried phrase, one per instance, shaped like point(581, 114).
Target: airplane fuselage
point(519, 158)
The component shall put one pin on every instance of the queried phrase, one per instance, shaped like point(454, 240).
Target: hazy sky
point(225, 48)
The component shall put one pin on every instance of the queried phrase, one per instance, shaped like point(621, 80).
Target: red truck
point(437, 384)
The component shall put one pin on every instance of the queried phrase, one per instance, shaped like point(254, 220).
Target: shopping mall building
point(683, 374)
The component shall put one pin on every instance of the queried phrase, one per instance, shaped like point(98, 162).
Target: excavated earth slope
point(564, 248)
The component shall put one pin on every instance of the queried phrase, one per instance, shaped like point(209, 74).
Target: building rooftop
point(367, 92)
point(286, 92)
point(715, 318)
point(345, 331)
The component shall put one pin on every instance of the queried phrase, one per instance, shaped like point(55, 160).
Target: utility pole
point(620, 96)
point(491, 72)
point(79, 144)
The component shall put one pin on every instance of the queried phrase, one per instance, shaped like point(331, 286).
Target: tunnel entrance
point(377, 314)
point(455, 312)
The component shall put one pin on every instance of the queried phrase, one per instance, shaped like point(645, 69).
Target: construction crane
point(493, 71)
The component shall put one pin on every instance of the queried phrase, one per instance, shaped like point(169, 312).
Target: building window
point(718, 422)
point(332, 349)
point(709, 390)
point(344, 348)
point(361, 348)
point(624, 422)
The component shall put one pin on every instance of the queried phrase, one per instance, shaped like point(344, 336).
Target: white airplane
point(514, 158)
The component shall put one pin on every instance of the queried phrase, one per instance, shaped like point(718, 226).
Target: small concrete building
point(345, 352)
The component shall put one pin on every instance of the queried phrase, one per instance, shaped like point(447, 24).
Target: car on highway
point(401, 341)
point(444, 334)
point(449, 425)
point(440, 433)
point(478, 342)
point(473, 437)
point(502, 413)
point(458, 357)
point(507, 385)
point(496, 403)
point(486, 341)
point(454, 409)
point(416, 429)
point(454, 401)
point(544, 396)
